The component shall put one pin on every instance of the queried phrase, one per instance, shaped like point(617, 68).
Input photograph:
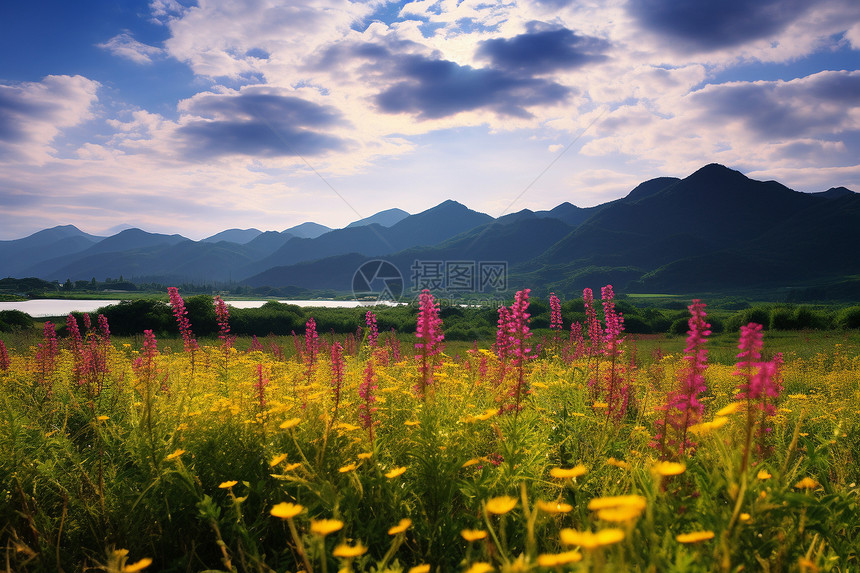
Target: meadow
point(577, 448)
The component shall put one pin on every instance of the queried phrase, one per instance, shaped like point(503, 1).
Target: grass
point(181, 461)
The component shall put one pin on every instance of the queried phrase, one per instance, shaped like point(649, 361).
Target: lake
point(60, 307)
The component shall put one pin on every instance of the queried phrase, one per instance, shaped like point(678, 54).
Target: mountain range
point(713, 231)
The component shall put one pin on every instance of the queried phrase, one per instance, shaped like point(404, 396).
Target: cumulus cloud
point(543, 49)
point(822, 105)
point(259, 122)
point(710, 25)
point(32, 114)
point(439, 88)
point(125, 46)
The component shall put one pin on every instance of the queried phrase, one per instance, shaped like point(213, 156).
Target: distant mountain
point(384, 218)
point(713, 231)
point(92, 262)
point(836, 193)
point(307, 230)
point(18, 255)
point(240, 236)
point(426, 228)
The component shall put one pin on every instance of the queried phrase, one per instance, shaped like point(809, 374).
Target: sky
point(187, 117)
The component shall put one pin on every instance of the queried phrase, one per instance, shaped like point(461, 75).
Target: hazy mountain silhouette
point(711, 231)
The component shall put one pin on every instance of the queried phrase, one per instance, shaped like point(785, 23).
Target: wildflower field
point(576, 450)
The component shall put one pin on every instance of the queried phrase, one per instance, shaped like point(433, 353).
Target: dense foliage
point(321, 451)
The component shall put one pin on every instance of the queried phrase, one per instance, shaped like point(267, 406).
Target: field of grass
point(350, 453)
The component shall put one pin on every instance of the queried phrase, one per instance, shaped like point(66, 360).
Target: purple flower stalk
point(5, 363)
point(555, 321)
point(518, 335)
point(366, 409)
point(372, 330)
point(222, 317)
point(180, 313)
point(429, 332)
point(760, 388)
point(683, 408)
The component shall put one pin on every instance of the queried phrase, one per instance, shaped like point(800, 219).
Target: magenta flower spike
point(5, 363)
point(372, 330)
point(429, 332)
point(683, 408)
point(188, 340)
point(555, 321)
point(366, 409)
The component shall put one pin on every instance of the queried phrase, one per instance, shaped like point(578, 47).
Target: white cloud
point(33, 114)
point(125, 46)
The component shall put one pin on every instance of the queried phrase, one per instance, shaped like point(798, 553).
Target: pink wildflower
point(366, 409)
point(429, 332)
point(5, 363)
point(518, 335)
point(372, 330)
point(683, 408)
point(593, 323)
point(555, 321)
point(260, 387)
point(180, 313)
point(222, 317)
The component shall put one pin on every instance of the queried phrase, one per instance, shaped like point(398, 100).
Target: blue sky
point(194, 117)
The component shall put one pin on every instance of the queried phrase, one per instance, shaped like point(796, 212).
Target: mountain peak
point(385, 218)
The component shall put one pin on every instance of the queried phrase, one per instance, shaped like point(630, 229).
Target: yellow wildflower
point(619, 514)
point(423, 568)
point(732, 408)
point(291, 467)
point(323, 527)
point(590, 540)
point(763, 475)
point(400, 527)
point(501, 505)
point(365, 455)
point(347, 468)
point(473, 534)
point(562, 473)
point(411, 422)
point(694, 536)
point(291, 423)
point(480, 567)
point(471, 462)
point(553, 506)
point(277, 459)
point(669, 468)
point(558, 559)
point(705, 427)
point(286, 510)
point(349, 551)
point(634, 501)
point(744, 517)
point(176, 453)
point(227, 484)
point(488, 413)
point(395, 473)
point(618, 463)
point(807, 483)
point(103, 418)
point(139, 566)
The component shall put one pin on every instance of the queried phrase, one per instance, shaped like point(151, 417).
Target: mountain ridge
point(648, 239)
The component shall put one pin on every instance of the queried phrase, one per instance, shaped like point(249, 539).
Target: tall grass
point(238, 459)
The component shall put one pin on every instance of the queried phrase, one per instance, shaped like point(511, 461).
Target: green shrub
point(14, 320)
